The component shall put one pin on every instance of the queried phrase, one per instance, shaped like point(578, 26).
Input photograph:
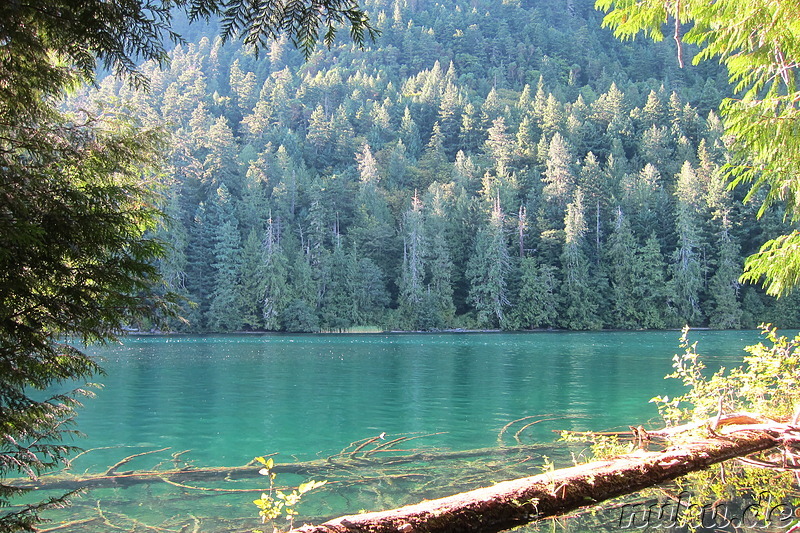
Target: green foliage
point(488, 271)
point(538, 305)
point(77, 263)
point(275, 503)
point(724, 286)
point(579, 292)
point(334, 152)
point(757, 43)
point(766, 383)
point(260, 24)
point(762, 120)
point(78, 266)
point(600, 446)
point(78, 213)
point(777, 262)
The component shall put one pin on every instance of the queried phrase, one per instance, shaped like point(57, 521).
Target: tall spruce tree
point(650, 291)
point(411, 284)
point(623, 274)
point(369, 291)
point(579, 297)
point(687, 267)
point(251, 277)
point(488, 271)
point(559, 176)
point(537, 302)
point(725, 311)
point(438, 256)
point(223, 309)
point(275, 292)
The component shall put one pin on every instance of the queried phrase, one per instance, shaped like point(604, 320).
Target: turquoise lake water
point(221, 400)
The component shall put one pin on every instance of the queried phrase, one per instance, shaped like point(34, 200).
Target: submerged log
point(516, 502)
point(367, 459)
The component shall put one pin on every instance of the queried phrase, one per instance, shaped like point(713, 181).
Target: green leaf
point(777, 262)
point(309, 485)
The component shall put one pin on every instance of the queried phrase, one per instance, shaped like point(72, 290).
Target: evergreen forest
point(481, 164)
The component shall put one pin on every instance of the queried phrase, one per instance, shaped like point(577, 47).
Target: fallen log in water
point(371, 456)
point(367, 460)
point(512, 503)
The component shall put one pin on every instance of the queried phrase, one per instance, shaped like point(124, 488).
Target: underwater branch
point(512, 503)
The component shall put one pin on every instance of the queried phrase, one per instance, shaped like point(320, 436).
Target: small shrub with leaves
point(275, 503)
point(768, 382)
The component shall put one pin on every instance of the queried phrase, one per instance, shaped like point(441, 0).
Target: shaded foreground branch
point(516, 502)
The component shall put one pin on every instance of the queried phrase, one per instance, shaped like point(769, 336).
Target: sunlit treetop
point(759, 43)
point(48, 44)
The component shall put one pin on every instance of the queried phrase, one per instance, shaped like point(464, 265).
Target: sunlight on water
point(218, 401)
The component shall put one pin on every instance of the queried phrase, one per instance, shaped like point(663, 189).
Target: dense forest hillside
point(482, 164)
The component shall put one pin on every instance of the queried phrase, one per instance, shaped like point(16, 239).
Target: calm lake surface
point(226, 399)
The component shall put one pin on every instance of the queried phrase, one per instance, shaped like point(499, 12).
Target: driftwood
point(513, 503)
point(378, 457)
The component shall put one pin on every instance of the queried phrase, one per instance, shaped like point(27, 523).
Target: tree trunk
point(512, 503)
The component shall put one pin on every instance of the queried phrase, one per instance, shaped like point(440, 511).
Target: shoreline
point(413, 332)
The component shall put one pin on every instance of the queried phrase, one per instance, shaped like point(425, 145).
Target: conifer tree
point(623, 274)
point(470, 134)
point(319, 139)
point(655, 149)
point(173, 267)
point(409, 134)
point(582, 132)
point(243, 86)
point(199, 266)
point(552, 117)
point(433, 165)
point(77, 259)
point(488, 271)
point(761, 119)
point(273, 292)
point(369, 291)
point(397, 166)
point(595, 184)
point(643, 196)
point(499, 146)
point(223, 308)
point(221, 164)
point(559, 177)
point(687, 268)
point(725, 309)
point(490, 110)
point(537, 302)
point(253, 207)
point(449, 117)
point(412, 277)
point(337, 305)
point(374, 231)
point(251, 277)
point(438, 257)
point(650, 291)
point(290, 175)
point(578, 297)
point(300, 313)
point(526, 140)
